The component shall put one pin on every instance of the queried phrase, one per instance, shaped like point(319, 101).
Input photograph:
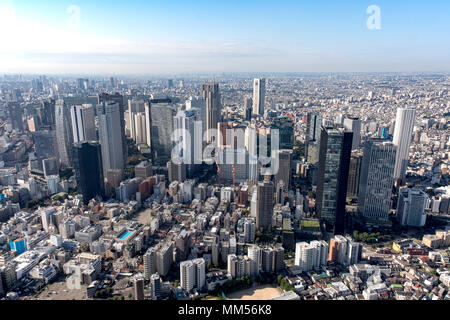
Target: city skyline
point(139, 38)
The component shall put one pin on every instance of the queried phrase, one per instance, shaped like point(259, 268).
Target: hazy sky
point(171, 36)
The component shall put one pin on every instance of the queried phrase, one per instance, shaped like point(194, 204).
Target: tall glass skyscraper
point(334, 161)
point(64, 137)
point(376, 180)
point(210, 92)
point(162, 122)
point(88, 169)
point(110, 136)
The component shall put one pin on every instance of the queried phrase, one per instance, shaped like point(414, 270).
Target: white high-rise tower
point(259, 96)
point(404, 124)
point(83, 124)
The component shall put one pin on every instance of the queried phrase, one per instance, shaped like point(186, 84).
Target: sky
point(190, 36)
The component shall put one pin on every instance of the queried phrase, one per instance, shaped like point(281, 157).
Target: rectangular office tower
point(118, 98)
point(284, 169)
point(162, 114)
point(88, 169)
point(354, 124)
point(411, 207)
point(264, 204)
point(64, 137)
point(83, 124)
point(376, 181)
point(332, 177)
point(210, 93)
point(259, 96)
point(110, 136)
point(404, 124)
point(313, 125)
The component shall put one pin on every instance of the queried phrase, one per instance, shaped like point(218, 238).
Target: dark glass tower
point(334, 161)
point(88, 169)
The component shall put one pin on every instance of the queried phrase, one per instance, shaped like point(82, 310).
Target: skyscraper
point(376, 180)
point(134, 107)
point(109, 132)
point(404, 124)
point(162, 114)
point(15, 114)
point(88, 169)
point(210, 92)
point(186, 145)
point(313, 125)
point(353, 124)
point(83, 125)
point(118, 98)
point(285, 127)
point(264, 204)
point(64, 137)
point(140, 125)
point(411, 207)
point(334, 160)
point(251, 144)
point(354, 174)
point(284, 169)
point(259, 96)
point(248, 104)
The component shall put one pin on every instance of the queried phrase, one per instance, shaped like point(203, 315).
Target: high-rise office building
point(140, 126)
point(354, 174)
point(313, 125)
point(117, 98)
point(334, 161)
point(251, 144)
point(186, 146)
point(376, 180)
point(248, 105)
point(88, 169)
point(285, 127)
point(45, 144)
point(404, 124)
point(64, 136)
point(353, 124)
point(210, 92)
point(284, 168)
point(162, 114)
point(264, 204)
point(135, 106)
point(198, 105)
point(15, 114)
point(83, 124)
point(109, 132)
point(411, 207)
point(259, 96)
point(46, 112)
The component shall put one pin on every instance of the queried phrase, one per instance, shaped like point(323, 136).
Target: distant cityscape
point(283, 187)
